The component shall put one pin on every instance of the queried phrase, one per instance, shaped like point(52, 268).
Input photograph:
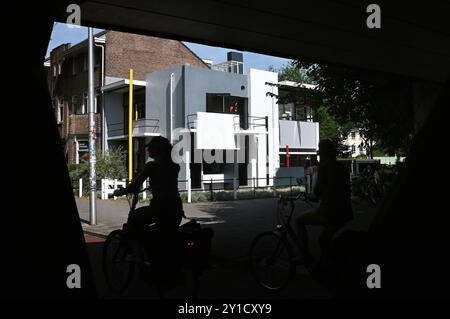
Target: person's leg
point(140, 218)
point(309, 217)
point(138, 221)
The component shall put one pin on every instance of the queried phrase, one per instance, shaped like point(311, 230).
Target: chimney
point(235, 62)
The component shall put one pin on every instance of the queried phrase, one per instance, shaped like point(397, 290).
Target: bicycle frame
point(135, 199)
point(287, 229)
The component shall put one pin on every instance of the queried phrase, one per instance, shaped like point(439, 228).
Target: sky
point(63, 33)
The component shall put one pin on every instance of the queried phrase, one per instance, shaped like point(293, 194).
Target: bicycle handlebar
point(133, 193)
point(305, 196)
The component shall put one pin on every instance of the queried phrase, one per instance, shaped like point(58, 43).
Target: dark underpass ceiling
point(414, 39)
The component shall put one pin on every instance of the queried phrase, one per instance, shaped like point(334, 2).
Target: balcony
point(141, 128)
point(219, 130)
point(240, 123)
point(299, 135)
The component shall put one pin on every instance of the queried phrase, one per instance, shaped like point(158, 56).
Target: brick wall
point(123, 51)
point(78, 123)
point(144, 54)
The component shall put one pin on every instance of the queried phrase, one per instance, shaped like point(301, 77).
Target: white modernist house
point(226, 127)
point(355, 143)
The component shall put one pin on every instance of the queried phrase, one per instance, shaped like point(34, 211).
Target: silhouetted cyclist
point(333, 190)
point(165, 209)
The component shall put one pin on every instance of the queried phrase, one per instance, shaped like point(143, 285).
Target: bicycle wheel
point(271, 261)
point(118, 271)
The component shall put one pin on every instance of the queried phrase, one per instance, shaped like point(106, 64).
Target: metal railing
point(251, 122)
point(224, 189)
point(229, 188)
point(120, 127)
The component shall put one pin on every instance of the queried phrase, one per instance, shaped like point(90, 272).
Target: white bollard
point(144, 194)
point(80, 188)
point(189, 191)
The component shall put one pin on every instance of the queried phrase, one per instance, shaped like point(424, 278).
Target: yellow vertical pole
point(130, 128)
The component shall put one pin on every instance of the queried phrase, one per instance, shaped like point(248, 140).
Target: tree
point(291, 73)
point(331, 129)
point(379, 105)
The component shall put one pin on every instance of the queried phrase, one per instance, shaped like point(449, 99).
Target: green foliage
point(291, 73)
point(380, 105)
point(110, 166)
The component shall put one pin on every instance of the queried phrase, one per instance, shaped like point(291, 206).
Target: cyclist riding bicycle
point(165, 209)
point(333, 191)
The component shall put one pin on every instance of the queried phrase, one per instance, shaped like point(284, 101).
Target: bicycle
point(272, 259)
point(189, 247)
point(372, 191)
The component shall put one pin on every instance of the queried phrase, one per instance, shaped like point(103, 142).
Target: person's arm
point(135, 185)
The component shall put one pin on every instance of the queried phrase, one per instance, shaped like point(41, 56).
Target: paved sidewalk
point(235, 223)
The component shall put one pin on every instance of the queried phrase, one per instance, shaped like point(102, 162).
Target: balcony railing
point(140, 127)
point(299, 135)
point(250, 123)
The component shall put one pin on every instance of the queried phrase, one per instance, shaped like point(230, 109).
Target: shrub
point(110, 166)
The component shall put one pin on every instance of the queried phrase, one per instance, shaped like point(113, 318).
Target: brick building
point(115, 53)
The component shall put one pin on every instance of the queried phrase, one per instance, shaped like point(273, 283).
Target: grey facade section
point(114, 116)
point(199, 82)
point(157, 98)
point(190, 86)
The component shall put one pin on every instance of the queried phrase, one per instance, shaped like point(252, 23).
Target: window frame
point(60, 111)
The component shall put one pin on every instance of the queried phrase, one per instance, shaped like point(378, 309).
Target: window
point(353, 149)
point(59, 68)
point(60, 111)
point(76, 105)
point(54, 70)
point(84, 108)
point(353, 135)
point(293, 112)
point(225, 103)
point(287, 111)
point(309, 115)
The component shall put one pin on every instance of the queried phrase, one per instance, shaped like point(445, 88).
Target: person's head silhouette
point(327, 150)
point(159, 148)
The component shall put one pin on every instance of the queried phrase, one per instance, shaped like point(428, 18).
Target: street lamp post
point(92, 133)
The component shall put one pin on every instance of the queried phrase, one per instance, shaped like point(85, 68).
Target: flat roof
point(122, 84)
